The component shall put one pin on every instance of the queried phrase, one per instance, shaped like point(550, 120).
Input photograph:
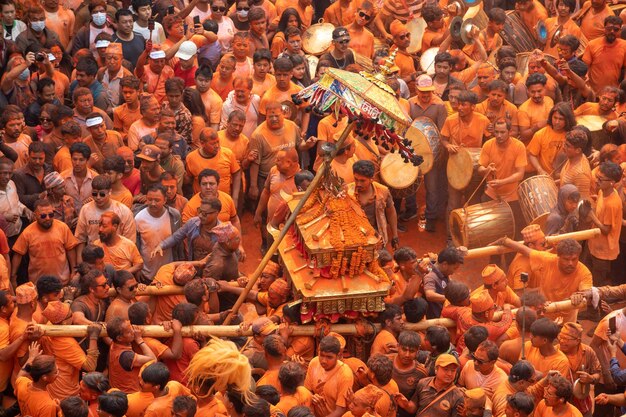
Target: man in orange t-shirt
point(594, 12)
point(212, 155)
point(606, 56)
point(341, 12)
point(386, 341)
point(547, 142)
point(436, 27)
point(404, 61)
point(496, 106)
point(605, 107)
point(533, 113)
point(608, 218)
point(466, 128)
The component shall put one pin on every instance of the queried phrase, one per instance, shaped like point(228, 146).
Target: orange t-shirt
point(62, 160)
point(341, 16)
point(6, 367)
point(224, 163)
point(274, 94)
point(123, 255)
point(226, 214)
point(605, 61)
point(17, 327)
point(555, 285)
point(384, 343)
point(507, 110)
point(238, 146)
point(270, 377)
point(259, 88)
point(609, 212)
point(578, 174)
point(268, 142)
point(531, 113)
point(507, 160)
point(34, 402)
point(333, 385)
point(532, 17)
point(306, 14)
point(69, 359)
point(592, 24)
point(214, 407)
point(165, 304)
point(138, 402)
point(47, 249)
point(275, 183)
point(429, 35)
point(545, 145)
point(162, 406)
point(155, 83)
point(557, 361)
point(61, 23)
point(406, 63)
point(593, 109)
point(326, 132)
point(469, 135)
point(543, 410)
point(302, 396)
point(123, 117)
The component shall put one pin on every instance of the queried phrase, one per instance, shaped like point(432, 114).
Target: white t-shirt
point(225, 33)
point(158, 34)
point(152, 231)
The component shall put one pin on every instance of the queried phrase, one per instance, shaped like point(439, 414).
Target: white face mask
point(99, 19)
point(38, 26)
point(242, 14)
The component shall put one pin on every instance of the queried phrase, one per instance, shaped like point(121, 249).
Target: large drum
point(537, 196)
point(462, 167)
point(318, 38)
point(402, 179)
point(481, 224)
point(516, 34)
point(424, 137)
point(599, 137)
point(416, 27)
point(478, 15)
point(523, 58)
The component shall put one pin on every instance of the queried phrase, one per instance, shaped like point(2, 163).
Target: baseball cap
point(186, 50)
point(446, 359)
point(425, 83)
point(340, 33)
point(150, 153)
point(263, 326)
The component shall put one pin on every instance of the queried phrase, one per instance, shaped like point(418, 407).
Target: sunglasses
point(365, 16)
point(100, 194)
point(405, 36)
point(45, 119)
point(221, 9)
point(478, 361)
point(344, 42)
point(46, 215)
point(243, 8)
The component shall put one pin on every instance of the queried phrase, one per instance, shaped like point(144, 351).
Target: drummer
point(605, 107)
point(466, 128)
point(496, 106)
point(436, 26)
point(531, 12)
point(503, 160)
point(427, 104)
point(490, 36)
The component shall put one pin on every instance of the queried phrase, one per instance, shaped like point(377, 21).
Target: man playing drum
point(466, 128)
point(503, 161)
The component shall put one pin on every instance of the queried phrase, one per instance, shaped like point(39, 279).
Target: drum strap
point(476, 190)
point(369, 148)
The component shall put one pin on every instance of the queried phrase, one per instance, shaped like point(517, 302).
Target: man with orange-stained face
point(172, 198)
point(486, 74)
point(246, 102)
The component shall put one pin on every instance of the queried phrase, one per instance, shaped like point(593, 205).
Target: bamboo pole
point(303, 330)
point(552, 240)
point(154, 290)
point(270, 251)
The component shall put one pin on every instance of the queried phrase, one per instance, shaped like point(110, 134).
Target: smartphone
point(196, 20)
point(150, 24)
point(170, 10)
point(185, 26)
point(523, 277)
point(612, 325)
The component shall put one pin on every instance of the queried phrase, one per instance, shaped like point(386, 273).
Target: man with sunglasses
point(50, 244)
point(482, 371)
point(361, 39)
point(340, 56)
point(88, 225)
point(606, 56)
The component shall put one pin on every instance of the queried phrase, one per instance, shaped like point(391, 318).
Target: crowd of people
point(136, 135)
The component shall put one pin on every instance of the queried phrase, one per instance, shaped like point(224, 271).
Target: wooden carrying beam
point(552, 240)
point(154, 290)
point(304, 330)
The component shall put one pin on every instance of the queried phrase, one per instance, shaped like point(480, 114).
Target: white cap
point(157, 54)
point(186, 50)
point(94, 121)
point(102, 43)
